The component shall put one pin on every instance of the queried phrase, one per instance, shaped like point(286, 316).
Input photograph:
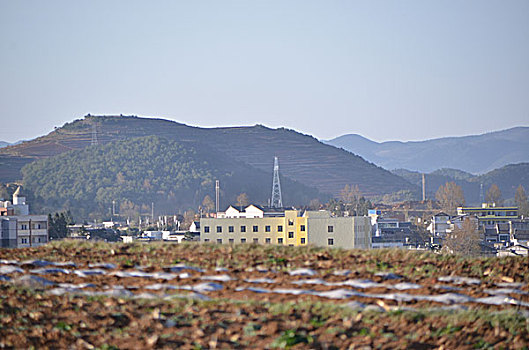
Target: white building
point(21, 229)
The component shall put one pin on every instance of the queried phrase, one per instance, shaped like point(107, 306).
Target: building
point(489, 214)
point(285, 226)
point(440, 225)
point(344, 232)
point(18, 229)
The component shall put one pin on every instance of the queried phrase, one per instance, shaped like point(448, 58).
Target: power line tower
point(94, 135)
point(276, 201)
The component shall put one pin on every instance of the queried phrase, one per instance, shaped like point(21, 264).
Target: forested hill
point(137, 172)
point(302, 158)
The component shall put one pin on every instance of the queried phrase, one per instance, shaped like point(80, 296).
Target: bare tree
point(242, 200)
point(314, 204)
point(450, 196)
point(350, 196)
point(208, 204)
point(494, 195)
point(189, 217)
point(464, 240)
point(520, 198)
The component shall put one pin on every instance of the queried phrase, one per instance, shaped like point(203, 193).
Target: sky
point(387, 70)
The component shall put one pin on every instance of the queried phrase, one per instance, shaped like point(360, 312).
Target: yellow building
point(255, 224)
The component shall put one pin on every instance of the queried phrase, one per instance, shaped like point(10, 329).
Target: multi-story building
point(255, 224)
point(18, 229)
point(489, 214)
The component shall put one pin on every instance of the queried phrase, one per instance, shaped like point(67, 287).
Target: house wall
point(37, 235)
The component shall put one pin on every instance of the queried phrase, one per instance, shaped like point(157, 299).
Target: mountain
point(508, 178)
point(302, 158)
point(4, 144)
point(139, 171)
point(475, 154)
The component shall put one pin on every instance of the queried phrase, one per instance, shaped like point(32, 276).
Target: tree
point(208, 204)
point(464, 239)
point(242, 200)
point(314, 204)
point(450, 196)
point(189, 217)
point(520, 198)
point(494, 195)
point(57, 226)
point(350, 195)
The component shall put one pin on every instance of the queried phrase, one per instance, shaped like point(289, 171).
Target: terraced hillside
point(195, 296)
point(302, 157)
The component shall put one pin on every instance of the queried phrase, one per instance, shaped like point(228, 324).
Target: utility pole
point(423, 188)
point(217, 195)
point(152, 212)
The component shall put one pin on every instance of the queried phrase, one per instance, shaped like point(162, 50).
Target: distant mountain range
point(474, 154)
point(302, 158)
point(4, 144)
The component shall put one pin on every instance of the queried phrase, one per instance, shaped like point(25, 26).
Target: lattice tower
point(276, 201)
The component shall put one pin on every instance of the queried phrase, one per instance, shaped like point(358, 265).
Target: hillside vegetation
point(145, 170)
point(301, 157)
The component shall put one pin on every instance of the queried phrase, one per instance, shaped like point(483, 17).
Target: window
point(255, 228)
point(206, 229)
point(280, 241)
point(291, 245)
point(243, 240)
point(302, 240)
point(206, 240)
point(330, 241)
point(302, 228)
point(290, 222)
point(243, 228)
point(268, 240)
point(219, 229)
point(291, 235)
point(256, 240)
point(231, 241)
point(24, 227)
point(219, 240)
point(38, 226)
point(280, 228)
point(330, 229)
point(230, 228)
point(267, 228)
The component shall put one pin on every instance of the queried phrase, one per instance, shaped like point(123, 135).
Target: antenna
point(94, 135)
point(217, 195)
point(276, 187)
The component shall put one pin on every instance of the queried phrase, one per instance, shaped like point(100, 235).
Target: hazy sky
point(388, 70)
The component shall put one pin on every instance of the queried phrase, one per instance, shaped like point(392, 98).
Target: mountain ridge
point(302, 157)
point(473, 153)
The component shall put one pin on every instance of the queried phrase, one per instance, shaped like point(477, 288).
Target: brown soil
point(31, 317)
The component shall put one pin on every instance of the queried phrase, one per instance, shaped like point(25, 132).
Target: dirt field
point(98, 295)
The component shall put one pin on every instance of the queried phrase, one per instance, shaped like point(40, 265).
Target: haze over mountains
point(475, 154)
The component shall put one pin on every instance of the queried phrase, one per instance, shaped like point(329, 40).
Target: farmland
point(100, 295)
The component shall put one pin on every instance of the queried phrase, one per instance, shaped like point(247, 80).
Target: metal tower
point(94, 135)
point(276, 201)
